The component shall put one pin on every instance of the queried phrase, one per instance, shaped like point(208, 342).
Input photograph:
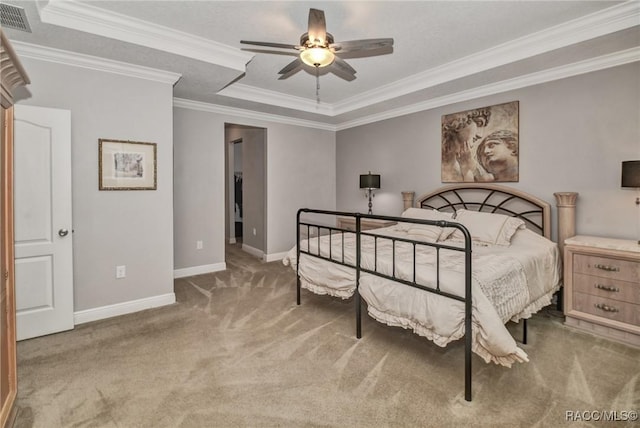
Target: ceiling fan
point(318, 49)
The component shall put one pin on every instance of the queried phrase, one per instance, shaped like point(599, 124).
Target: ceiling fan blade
point(361, 45)
point(291, 66)
point(317, 26)
point(272, 52)
point(269, 44)
point(341, 73)
point(291, 72)
point(342, 65)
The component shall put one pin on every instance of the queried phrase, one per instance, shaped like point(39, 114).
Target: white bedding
point(508, 283)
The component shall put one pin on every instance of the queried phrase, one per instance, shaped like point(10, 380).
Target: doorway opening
point(237, 187)
point(246, 201)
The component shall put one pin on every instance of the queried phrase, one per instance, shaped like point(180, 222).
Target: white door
point(43, 241)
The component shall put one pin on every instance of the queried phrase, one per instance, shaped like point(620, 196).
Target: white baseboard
point(199, 270)
point(253, 251)
point(275, 256)
point(232, 240)
point(123, 308)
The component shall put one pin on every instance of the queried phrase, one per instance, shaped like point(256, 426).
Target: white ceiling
point(444, 51)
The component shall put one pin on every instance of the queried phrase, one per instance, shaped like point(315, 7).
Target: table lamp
point(369, 182)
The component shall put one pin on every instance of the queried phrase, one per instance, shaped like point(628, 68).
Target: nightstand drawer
point(627, 313)
point(608, 288)
point(605, 267)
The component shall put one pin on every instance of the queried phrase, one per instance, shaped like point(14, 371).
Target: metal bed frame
point(487, 198)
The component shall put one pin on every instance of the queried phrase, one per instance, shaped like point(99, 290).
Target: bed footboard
point(318, 234)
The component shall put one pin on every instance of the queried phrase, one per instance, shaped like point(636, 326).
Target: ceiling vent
point(14, 17)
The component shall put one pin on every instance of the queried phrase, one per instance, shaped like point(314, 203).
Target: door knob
point(63, 232)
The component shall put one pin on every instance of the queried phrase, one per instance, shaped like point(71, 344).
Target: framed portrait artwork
point(126, 165)
point(481, 145)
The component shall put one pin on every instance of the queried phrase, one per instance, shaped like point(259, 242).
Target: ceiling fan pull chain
point(318, 85)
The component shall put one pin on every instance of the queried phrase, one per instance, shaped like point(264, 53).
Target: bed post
point(566, 203)
point(358, 266)
point(298, 256)
point(407, 198)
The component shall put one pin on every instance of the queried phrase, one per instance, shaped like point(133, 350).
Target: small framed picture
point(126, 165)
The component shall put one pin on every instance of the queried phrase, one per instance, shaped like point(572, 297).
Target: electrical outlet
point(254, 231)
point(121, 271)
point(198, 245)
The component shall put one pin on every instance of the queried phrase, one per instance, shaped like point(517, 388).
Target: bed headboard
point(491, 198)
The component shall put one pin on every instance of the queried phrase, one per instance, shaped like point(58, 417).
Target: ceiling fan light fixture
point(317, 56)
point(318, 49)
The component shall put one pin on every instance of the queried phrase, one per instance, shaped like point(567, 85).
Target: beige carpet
point(237, 351)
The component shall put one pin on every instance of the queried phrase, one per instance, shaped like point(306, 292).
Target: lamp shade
point(370, 181)
point(630, 174)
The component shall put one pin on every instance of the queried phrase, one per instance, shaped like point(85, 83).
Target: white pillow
point(488, 228)
point(426, 231)
point(424, 214)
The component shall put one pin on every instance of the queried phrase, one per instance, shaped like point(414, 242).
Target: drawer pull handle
point(607, 268)
point(607, 288)
point(606, 308)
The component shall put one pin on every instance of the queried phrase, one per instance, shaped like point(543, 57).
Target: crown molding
point(59, 56)
point(607, 21)
point(27, 50)
point(90, 19)
point(597, 24)
point(250, 114)
point(252, 93)
point(84, 17)
point(582, 67)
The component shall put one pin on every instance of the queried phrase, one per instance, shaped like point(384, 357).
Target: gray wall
point(199, 168)
point(237, 158)
point(301, 173)
point(132, 228)
point(300, 164)
point(574, 134)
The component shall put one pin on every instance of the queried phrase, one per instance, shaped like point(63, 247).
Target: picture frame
point(481, 144)
point(126, 165)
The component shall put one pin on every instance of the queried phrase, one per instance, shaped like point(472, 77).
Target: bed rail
point(320, 232)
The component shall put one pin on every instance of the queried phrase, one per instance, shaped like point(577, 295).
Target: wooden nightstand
point(349, 223)
point(602, 287)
